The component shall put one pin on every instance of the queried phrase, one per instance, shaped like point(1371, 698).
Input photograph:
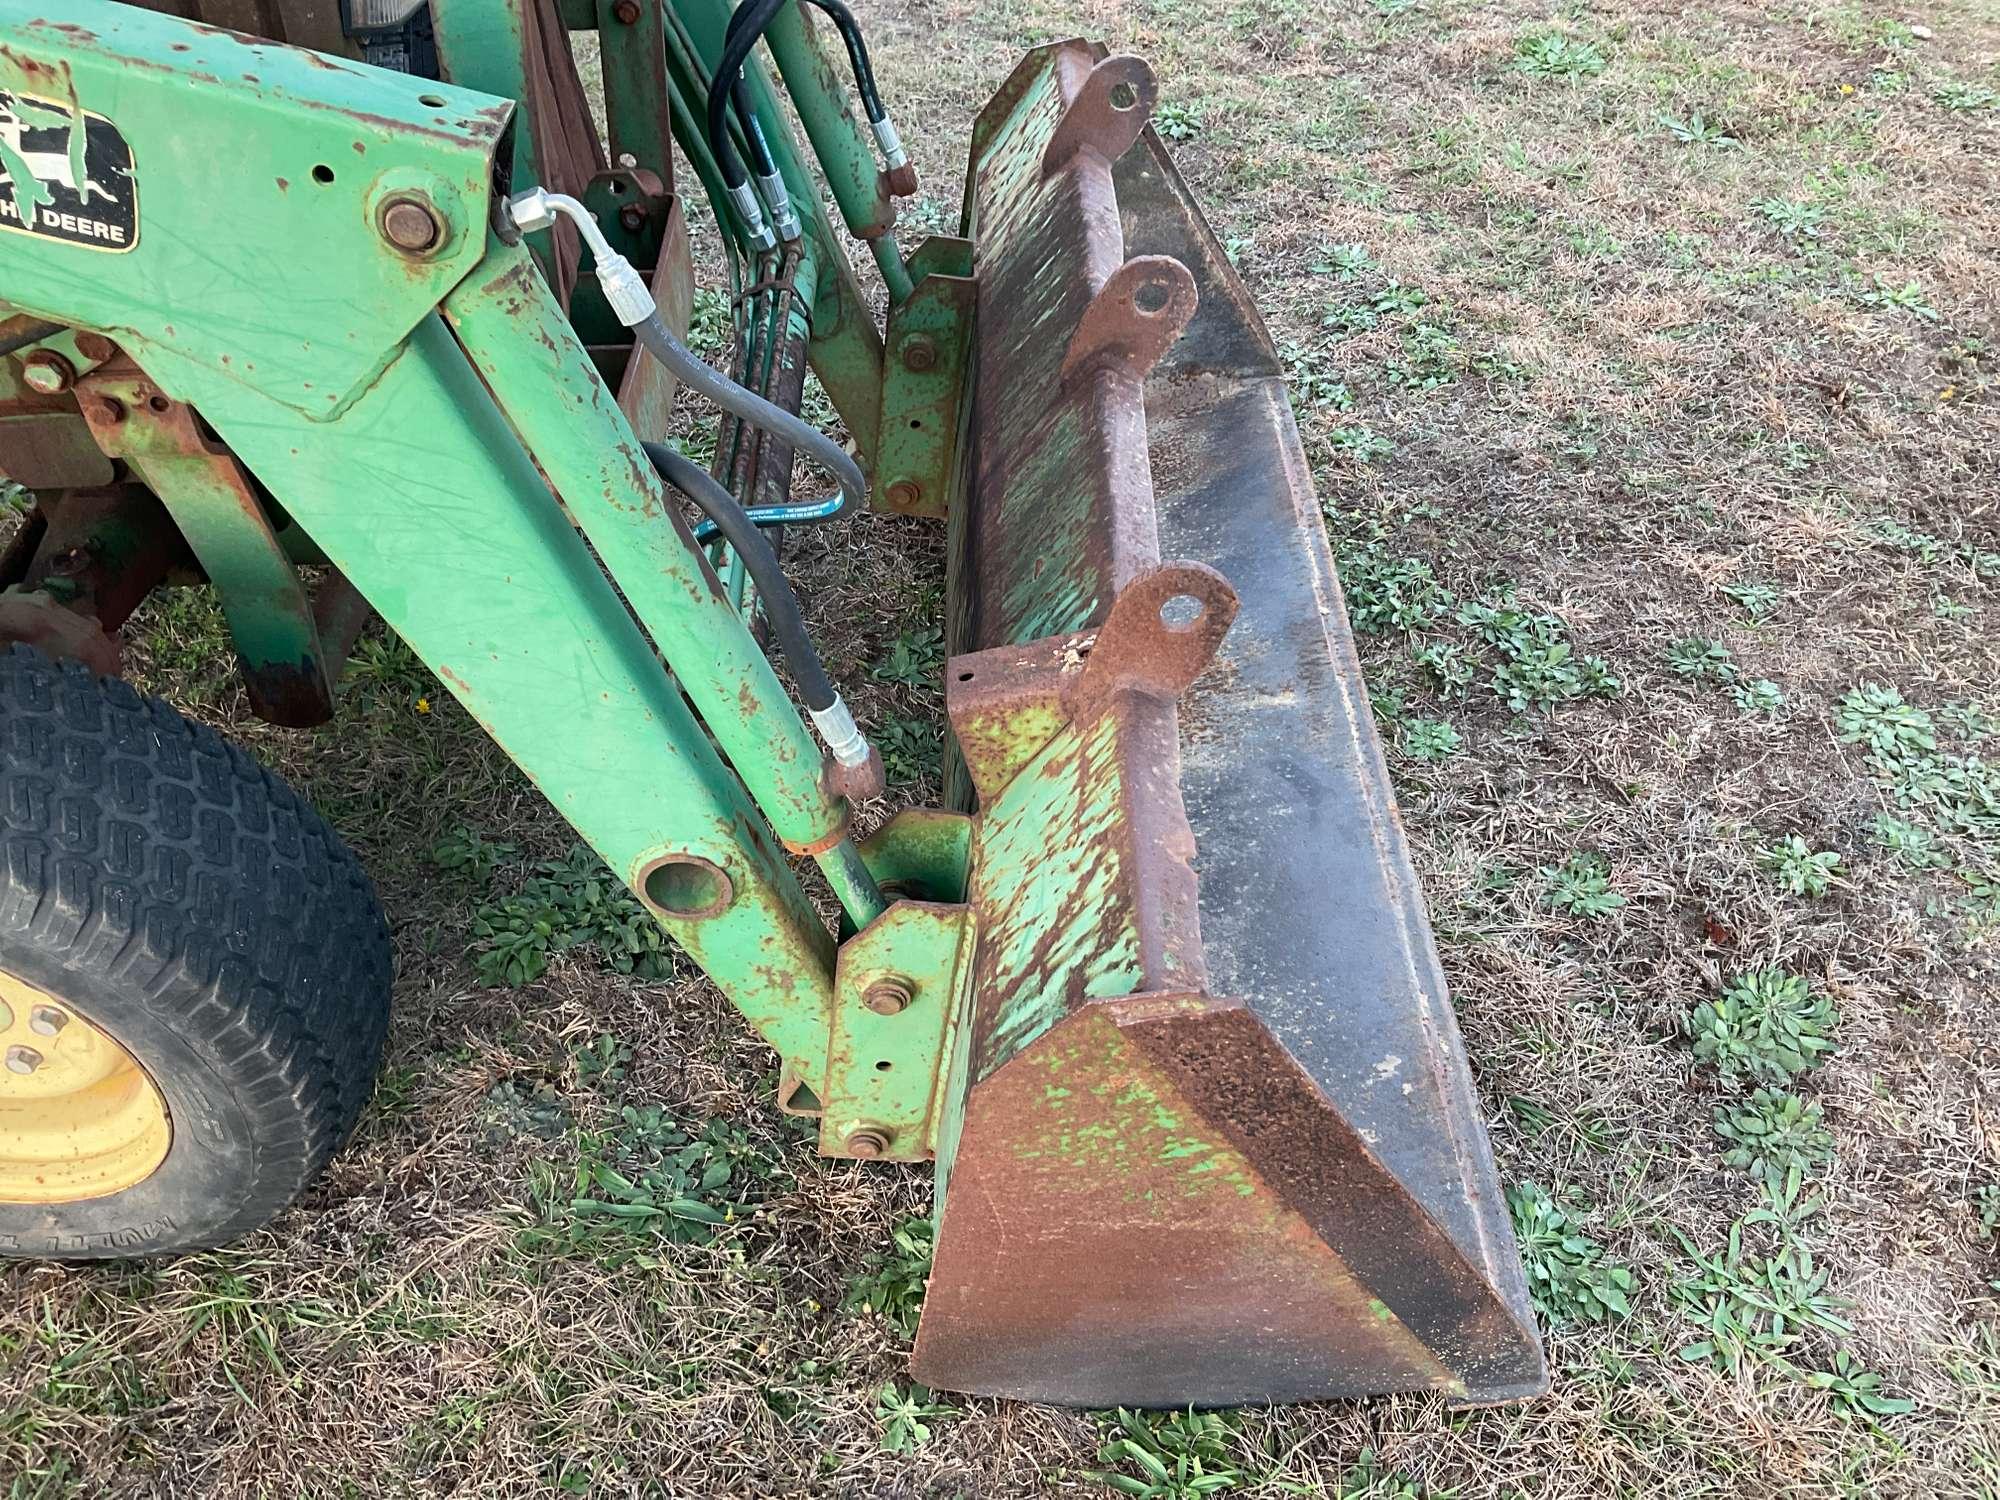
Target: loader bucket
point(1210, 1134)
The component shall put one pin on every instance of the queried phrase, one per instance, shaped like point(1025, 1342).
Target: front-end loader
point(376, 310)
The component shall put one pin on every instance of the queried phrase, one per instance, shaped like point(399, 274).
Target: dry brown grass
point(1698, 404)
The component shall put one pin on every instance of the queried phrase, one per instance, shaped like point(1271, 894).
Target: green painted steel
point(638, 111)
point(371, 427)
point(925, 383)
point(820, 91)
point(846, 349)
point(425, 499)
point(524, 347)
point(263, 597)
point(884, 1069)
point(293, 288)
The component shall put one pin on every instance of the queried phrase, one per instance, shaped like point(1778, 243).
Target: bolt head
point(46, 1020)
point(919, 353)
point(905, 493)
point(627, 12)
point(48, 373)
point(633, 217)
point(867, 1142)
point(95, 347)
point(888, 996)
point(23, 1059)
point(411, 226)
point(109, 410)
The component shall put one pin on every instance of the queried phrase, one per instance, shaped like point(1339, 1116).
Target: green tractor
point(365, 311)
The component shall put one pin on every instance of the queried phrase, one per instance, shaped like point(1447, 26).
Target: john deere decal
point(65, 174)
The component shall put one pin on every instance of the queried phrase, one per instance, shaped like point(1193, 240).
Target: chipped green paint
point(1049, 879)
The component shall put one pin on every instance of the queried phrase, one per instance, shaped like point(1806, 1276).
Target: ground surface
point(1678, 323)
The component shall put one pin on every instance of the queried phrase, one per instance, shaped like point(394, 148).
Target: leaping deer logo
point(33, 172)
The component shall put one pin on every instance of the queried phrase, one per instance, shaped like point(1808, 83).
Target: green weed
point(1447, 666)
point(1757, 600)
point(911, 748)
point(1430, 740)
point(1536, 667)
point(1178, 1455)
point(892, 1287)
point(1556, 54)
point(915, 659)
point(1698, 130)
point(1385, 592)
point(1773, 1131)
point(1909, 298)
point(907, 1415)
point(1796, 221)
point(1854, 1391)
point(1701, 659)
point(1767, 1024)
point(572, 902)
point(1763, 697)
point(1798, 867)
point(1909, 843)
point(1569, 1278)
point(1581, 886)
point(1753, 1307)
point(1178, 122)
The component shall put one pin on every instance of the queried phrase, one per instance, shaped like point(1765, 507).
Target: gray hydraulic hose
point(627, 293)
point(633, 303)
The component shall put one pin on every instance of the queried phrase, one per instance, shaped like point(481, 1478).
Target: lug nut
point(905, 493)
point(47, 373)
point(46, 1020)
point(411, 226)
point(888, 995)
point(865, 1141)
point(27, 1059)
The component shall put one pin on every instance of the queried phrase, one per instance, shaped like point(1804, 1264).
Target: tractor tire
point(194, 976)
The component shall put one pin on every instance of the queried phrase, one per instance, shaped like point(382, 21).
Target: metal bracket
point(1134, 319)
point(1105, 114)
point(898, 992)
point(925, 376)
point(289, 646)
point(1163, 630)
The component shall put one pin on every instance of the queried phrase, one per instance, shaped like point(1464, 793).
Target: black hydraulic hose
point(857, 57)
point(745, 27)
point(760, 148)
point(781, 605)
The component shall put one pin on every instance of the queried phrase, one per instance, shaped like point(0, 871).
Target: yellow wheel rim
point(79, 1118)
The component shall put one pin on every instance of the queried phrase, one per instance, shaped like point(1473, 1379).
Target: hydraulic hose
point(857, 57)
point(630, 300)
point(634, 306)
point(746, 25)
point(781, 605)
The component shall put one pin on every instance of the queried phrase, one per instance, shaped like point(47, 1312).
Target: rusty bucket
point(1209, 1133)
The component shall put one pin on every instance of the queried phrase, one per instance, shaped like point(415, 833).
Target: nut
point(46, 1020)
point(633, 217)
point(627, 12)
point(919, 353)
point(25, 1060)
point(906, 493)
point(888, 995)
point(411, 225)
point(47, 372)
point(108, 410)
point(864, 1141)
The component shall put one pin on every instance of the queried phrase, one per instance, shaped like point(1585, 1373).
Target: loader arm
point(1156, 990)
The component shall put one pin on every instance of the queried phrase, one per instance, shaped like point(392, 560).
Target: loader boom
point(1155, 991)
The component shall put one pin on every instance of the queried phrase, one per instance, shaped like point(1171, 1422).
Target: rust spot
point(283, 187)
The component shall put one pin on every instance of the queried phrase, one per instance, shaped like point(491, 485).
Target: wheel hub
point(79, 1118)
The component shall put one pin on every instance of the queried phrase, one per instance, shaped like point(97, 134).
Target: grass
point(1611, 422)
